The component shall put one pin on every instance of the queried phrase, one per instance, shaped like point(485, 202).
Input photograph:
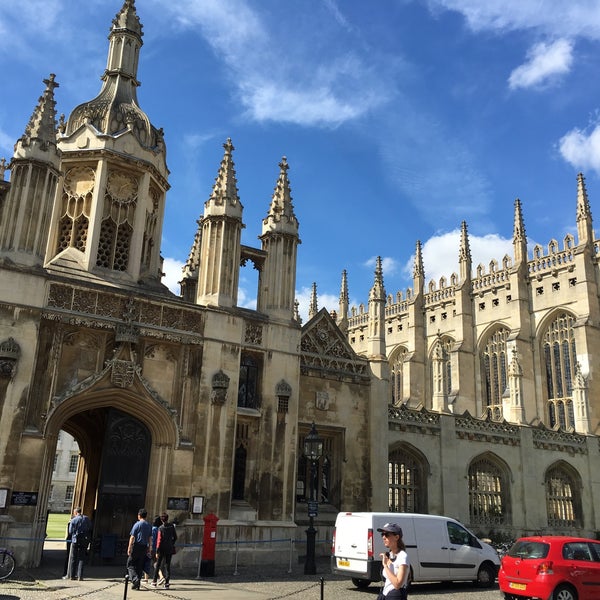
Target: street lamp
point(313, 450)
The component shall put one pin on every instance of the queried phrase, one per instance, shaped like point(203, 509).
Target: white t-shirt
point(401, 559)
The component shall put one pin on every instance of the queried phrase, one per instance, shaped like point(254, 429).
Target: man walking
point(80, 530)
point(140, 544)
point(165, 548)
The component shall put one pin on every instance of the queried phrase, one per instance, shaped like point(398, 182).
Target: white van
point(439, 548)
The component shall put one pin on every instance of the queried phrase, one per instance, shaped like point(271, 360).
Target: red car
point(551, 567)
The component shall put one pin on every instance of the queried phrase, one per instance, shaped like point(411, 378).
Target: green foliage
point(56, 528)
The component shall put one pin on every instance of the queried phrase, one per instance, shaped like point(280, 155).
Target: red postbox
point(209, 541)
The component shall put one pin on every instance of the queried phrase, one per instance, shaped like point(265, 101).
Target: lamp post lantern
point(313, 450)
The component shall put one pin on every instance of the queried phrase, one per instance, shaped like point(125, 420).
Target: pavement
point(269, 582)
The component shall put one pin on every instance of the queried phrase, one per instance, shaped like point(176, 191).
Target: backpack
point(167, 536)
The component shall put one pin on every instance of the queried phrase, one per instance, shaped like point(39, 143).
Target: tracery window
point(488, 492)
point(248, 389)
point(397, 375)
point(563, 502)
point(493, 370)
point(407, 491)
point(560, 358)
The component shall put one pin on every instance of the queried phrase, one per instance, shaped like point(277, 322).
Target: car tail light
point(370, 544)
point(333, 543)
point(545, 568)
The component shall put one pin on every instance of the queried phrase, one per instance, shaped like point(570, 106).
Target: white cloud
point(440, 253)
point(276, 85)
point(172, 274)
point(552, 17)
point(544, 61)
point(581, 148)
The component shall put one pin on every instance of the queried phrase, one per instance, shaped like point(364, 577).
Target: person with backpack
point(80, 530)
point(165, 548)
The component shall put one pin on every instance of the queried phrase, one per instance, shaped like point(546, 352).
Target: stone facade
point(475, 397)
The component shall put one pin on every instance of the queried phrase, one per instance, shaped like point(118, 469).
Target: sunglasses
point(387, 533)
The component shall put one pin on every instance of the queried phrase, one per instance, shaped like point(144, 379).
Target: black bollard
point(322, 587)
point(125, 589)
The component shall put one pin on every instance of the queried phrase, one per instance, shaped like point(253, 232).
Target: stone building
point(475, 397)
point(189, 403)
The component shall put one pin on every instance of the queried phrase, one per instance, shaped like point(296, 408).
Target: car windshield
point(529, 549)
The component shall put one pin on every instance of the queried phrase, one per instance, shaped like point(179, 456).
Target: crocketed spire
point(40, 132)
point(281, 215)
point(225, 191)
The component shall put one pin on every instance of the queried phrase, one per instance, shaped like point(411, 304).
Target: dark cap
point(391, 528)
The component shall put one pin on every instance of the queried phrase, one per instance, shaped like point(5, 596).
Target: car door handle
point(444, 548)
point(453, 549)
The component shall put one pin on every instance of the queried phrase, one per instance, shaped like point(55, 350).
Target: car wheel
point(564, 592)
point(486, 576)
point(361, 584)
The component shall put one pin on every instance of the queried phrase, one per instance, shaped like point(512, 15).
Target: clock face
point(79, 181)
point(121, 186)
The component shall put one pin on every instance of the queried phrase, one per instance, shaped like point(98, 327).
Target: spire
point(378, 291)
point(519, 236)
point(225, 191)
point(313, 307)
point(376, 329)
point(281, 212)
point(40, 133)
point(584, 214)
point(418, 270)
point(344, 303)
point(464, 254)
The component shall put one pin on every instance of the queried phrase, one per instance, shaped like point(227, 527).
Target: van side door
point(465, 552)
point(431, 561)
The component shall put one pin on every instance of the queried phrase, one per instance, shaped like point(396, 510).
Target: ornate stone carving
point(283, 388)
point(123, 372)
point(220, 385)
point(253, 334)
point(10, 353)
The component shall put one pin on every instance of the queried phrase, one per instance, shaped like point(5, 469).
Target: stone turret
point(280, 243)
point(313, 306)
point(220, 246)
point(344, 304)
point(35, 168)
point(376, 337)
point(585, 232)
point(108, 215)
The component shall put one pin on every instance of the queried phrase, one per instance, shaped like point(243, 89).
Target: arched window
point(488, 492)
point(397, 374)
point(493, 370)
point(563, 502)
point(248, 390)
point(407, 482)
point(560, 358)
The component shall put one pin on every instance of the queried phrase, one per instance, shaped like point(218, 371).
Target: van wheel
point(361, 584)
point(485, 576)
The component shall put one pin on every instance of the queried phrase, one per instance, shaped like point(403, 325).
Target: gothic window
point(397, 368)
point(320, 481)
point(560, 360)
point(248, 390)
point(76, 205)
point(563, 502)
point(116, 229)
point(407, 488)
point(493, 370)
point(488, 492)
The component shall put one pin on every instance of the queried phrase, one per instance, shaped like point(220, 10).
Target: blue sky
point(399, 118)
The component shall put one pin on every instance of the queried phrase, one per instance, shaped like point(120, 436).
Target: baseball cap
point(391, 528)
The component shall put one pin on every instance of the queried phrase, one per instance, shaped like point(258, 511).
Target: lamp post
point(313, 450)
